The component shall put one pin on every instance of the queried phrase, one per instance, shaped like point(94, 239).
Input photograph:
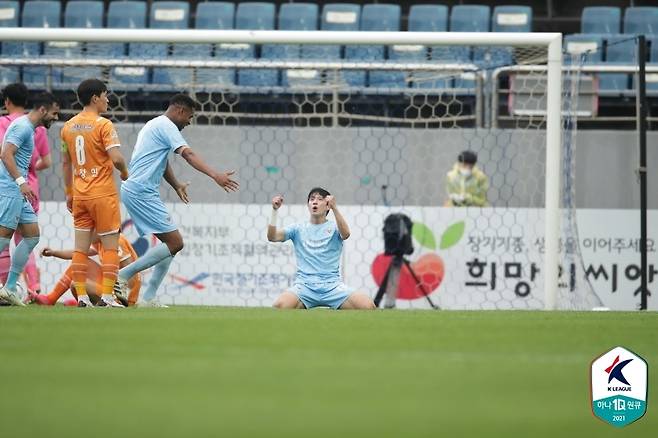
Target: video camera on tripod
point(398, 243)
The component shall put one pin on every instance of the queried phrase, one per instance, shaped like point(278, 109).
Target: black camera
point(397, 235)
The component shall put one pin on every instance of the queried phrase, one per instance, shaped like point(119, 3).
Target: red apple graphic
point(429, 269)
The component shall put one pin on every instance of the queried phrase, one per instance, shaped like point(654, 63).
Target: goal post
point(551, 43)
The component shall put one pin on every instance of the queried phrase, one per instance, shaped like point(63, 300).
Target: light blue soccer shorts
point(14, 211)
point(148, 212)
point(331, 294)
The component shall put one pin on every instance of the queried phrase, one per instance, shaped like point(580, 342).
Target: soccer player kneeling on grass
point(318, 245)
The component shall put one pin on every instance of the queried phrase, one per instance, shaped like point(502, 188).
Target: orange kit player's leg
point(106, 214)
point(65, 282)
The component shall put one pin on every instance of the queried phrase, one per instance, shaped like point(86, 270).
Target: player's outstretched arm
point(273, 233)
point(8, 157)
point(222, 179)
point(119, 162)
point(64, 254)
point(341, 223)
point(180, 188)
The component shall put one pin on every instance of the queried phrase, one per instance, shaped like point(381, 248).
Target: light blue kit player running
point(318, 245)
point(141, 196)
point(16, 212)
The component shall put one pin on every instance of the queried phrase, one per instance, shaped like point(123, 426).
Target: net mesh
point(382, 137)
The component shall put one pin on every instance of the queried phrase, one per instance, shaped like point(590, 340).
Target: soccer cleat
point(152, 303)
point(10, 297)
point(121, 291)
point(123, 299)
point(84, 302)
point(108, 302)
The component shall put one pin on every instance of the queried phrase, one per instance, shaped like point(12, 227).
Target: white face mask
point(465, 172)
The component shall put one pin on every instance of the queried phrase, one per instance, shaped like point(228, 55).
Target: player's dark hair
point(319, 191)
point(183, 100)
point(468, 157)
point(16, 93)
point(90, 88)
point(44, 99)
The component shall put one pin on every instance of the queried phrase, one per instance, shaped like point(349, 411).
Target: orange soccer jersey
point(86, 138)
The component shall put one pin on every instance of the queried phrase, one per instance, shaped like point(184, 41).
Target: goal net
point(379, 119)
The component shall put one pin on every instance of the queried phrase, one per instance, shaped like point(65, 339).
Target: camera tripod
point(393, 271)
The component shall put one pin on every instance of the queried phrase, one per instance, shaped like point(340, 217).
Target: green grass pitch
point(234, 372)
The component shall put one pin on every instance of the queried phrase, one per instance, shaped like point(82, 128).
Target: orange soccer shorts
point(102, 214)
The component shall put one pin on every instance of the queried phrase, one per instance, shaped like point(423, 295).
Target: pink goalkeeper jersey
point(41, 148)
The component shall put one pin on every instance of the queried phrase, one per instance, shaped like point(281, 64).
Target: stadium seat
point(78, 14)
point(428, 18)
point(423, 18)
point(335, 17)
point(255, 16)
point(589, 47)
point(9, 11)
point(466, 18)
point(620, 49)
point(295, 16)
point(213, 15)
point(512, 19)
point(375, 17)
point(39, 13)
point(641, 20)
point(504, 19)
point(600, 20)
point(166, 15)
point(122, 15)
point(470, 18)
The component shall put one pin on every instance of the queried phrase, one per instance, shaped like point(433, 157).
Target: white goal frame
point(551, 41)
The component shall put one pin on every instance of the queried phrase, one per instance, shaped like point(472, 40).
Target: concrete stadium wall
point(354, 164)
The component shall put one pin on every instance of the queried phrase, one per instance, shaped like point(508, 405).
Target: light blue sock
point(159, 272)
point(19, 260)
point(4, 242)
point(151, 258)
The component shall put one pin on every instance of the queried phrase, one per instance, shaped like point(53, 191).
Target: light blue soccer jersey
point(21, 134)
point(317, 249)
point(155, 141)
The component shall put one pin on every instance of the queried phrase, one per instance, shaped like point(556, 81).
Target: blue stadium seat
point(255, 16)
point(375, 17)
point(504, 19)
point(294, 16)
point(512, 19)
point(166, 15)
point(78, 14)
point(212, 15)
point(428, 18)
point(620, 49)
point(120, 15)
point(470, 18)
point(601, 20)
point(423, 18)
point(9, 11)
point(585, 47)
point(641, 20)
point(123, 15)
point(335, 17)
point(39, 13)
point(466, 18)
